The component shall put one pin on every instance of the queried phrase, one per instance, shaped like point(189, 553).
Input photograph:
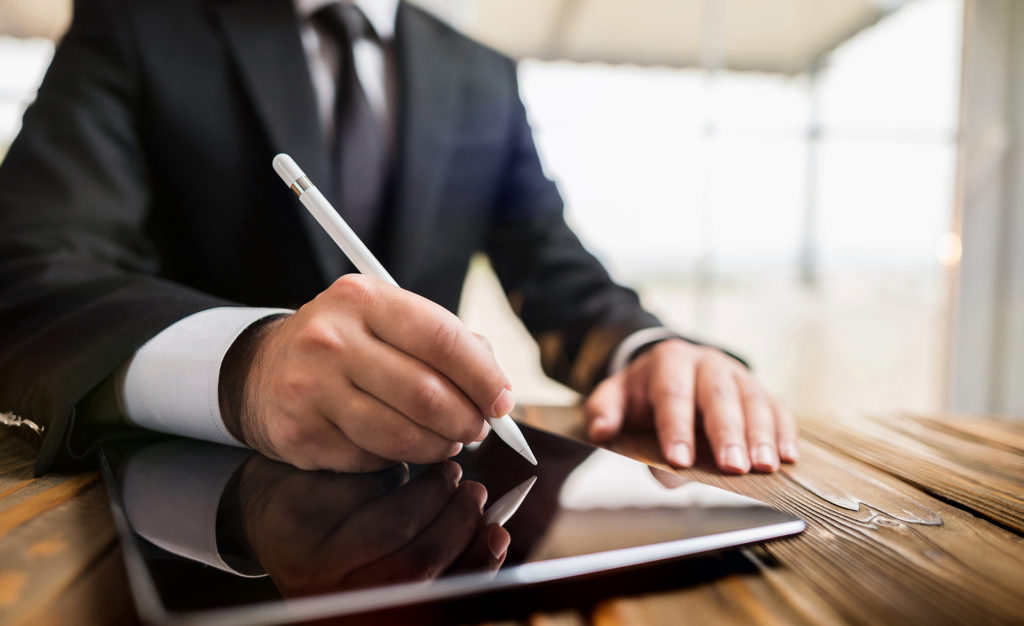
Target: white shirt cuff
point(172, 492)
point(635, 341)
point(171, 383)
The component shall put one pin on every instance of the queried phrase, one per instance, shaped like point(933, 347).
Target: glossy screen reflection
point(220, 527)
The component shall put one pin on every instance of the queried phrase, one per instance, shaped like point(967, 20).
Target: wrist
point(239, 376)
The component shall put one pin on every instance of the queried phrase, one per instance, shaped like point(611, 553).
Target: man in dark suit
point(145, 239)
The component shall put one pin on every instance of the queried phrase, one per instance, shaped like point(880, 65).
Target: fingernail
point(734, 458)
point(765, 458)
point(680, 455)
point(788, 451)
point(504, 404)
point(484, 431)
point(498, 541)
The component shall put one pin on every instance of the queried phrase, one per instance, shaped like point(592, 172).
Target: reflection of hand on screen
point(317, 532)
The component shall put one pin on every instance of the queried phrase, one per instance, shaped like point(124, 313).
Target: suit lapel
point(429, 100)
point(263, 37)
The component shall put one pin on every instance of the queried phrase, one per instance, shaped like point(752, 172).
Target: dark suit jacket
point(140, 190)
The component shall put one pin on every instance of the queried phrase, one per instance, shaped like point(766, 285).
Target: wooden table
point(914, 520)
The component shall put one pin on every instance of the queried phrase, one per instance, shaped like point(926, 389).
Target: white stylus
point(365, 262)
point(506, 506)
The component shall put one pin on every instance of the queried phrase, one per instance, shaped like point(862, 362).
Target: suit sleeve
point(78, 291)
point(567, 300)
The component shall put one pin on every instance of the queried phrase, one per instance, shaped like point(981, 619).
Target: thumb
point(605, 409)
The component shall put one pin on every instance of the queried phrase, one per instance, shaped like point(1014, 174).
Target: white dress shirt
point(171, 383)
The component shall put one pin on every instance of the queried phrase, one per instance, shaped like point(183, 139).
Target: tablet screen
point(225, 535)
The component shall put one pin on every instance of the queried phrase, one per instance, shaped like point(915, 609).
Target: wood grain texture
point(911, 519)
point(999, 433)
point(876, 550)
point(87, 600)
point(987, 480)
point(56, 537)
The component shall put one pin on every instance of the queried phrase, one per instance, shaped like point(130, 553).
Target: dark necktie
point(358, 151)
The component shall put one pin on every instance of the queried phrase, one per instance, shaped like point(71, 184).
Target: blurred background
point(830, 187)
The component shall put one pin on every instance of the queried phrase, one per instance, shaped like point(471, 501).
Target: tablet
point(218, 535)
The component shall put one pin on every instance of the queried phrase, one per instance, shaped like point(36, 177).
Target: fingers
point(672, 398)
point(316, 443)
point(719, 401)
point(367, 372)
point(486, 552)
point(785, 427)
point(418, 392)
point(346, 492)
point(384, 432)
point(605, 409)
point(761, 440)
point(434, 549)
point(300, 509)
point(485, 341)
point(746, 427)
point(430, 333)
point(382, 526)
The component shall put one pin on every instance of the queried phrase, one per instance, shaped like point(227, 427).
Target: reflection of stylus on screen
point(505, 507)
point(365, 262)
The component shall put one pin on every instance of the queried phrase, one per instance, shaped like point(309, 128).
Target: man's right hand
point(317, 532)
point(364, 375)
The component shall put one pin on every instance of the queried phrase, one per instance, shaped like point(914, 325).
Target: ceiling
point(783, 36)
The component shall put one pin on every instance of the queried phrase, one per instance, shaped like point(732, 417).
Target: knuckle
point(713, 357)
point(673, 348)
point(403, 526)
point(318, 334)
point(430, 396)
point(296, 386)
point(354, 292)
point(484, 340)
point(289, 435)
point(750, 394)
point(676, 389)
point(352, 287)
point(719, 389)
point(446, 338)
point(468, 430)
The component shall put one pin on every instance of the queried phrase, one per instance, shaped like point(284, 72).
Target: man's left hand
point(675, 381)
